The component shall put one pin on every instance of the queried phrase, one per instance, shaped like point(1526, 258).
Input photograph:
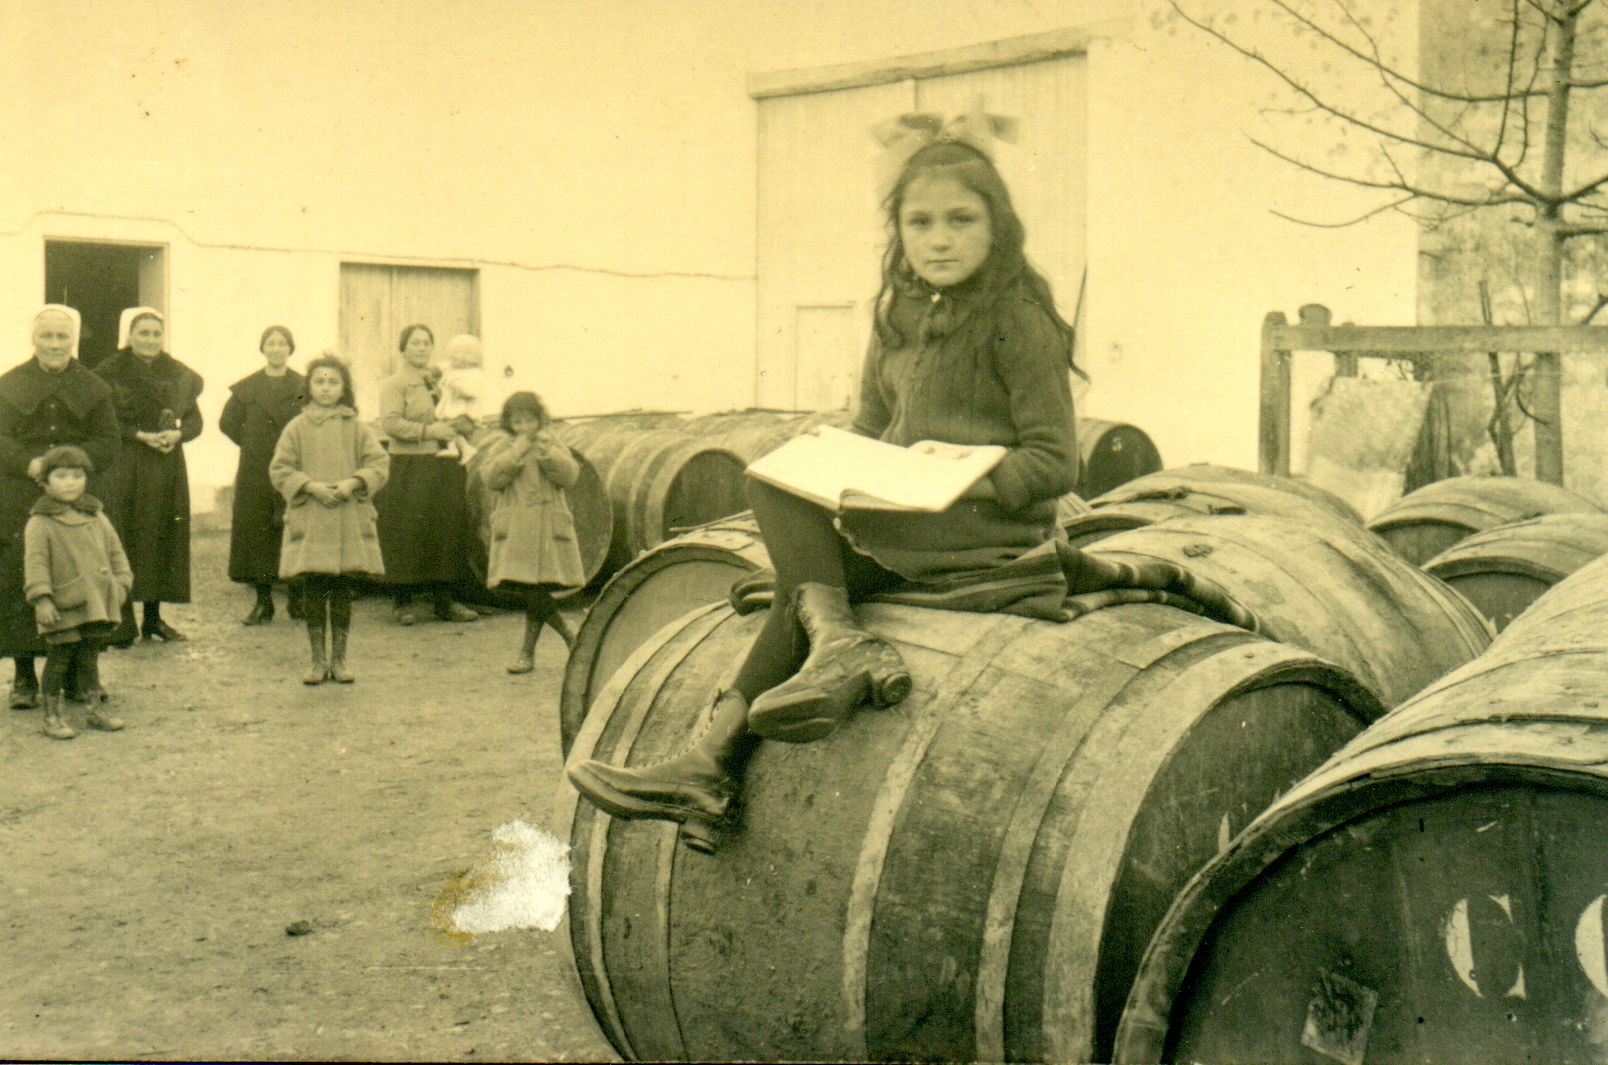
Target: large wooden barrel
point(1207, 489)
point(1435, 892)
point(687, 571)
point(1423, 523)
point(1345, 597)
point(1504, 569)
point(588, 502)
point(659, 481)
point(969, 876)
point(1111, 454)
point(748, 434)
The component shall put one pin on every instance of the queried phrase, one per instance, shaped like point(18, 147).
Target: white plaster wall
point(595, 159)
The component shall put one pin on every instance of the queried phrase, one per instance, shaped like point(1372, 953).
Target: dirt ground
point(150, 875)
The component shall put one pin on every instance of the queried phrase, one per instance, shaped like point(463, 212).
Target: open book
point(836, 469)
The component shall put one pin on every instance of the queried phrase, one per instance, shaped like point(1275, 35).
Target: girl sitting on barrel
point(967, 347)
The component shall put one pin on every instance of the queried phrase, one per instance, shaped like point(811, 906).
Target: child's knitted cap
point(64, 456)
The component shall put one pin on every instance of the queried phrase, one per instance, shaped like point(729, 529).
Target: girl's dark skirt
point(423, 522)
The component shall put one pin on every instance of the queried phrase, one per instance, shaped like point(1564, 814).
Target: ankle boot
point(97, 718)
point(526, 660)
point(55, 725)
point(262, 610)
point(338, 630)
point(695, 788)
point(24, 685)
point(318, 668)
point(846, 667)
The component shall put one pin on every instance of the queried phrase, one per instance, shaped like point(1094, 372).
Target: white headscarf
point(71, 313)
point(126, 322)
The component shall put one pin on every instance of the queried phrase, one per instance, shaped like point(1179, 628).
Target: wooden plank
point(1031, 48)
point(1274, 425)
point(1410, 341)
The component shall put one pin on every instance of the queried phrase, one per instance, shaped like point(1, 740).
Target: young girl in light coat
point(533, 548)
point(328, 465)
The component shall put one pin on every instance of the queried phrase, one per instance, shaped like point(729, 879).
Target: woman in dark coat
point(259, 408)
point(51, 399)
point(148, 488)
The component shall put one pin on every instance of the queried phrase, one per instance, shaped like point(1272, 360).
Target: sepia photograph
point(739, 530)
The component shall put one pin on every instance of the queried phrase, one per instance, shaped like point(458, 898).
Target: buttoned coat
point(532, 530)
point(77, 560)
point(329, 444)
point(39, 410)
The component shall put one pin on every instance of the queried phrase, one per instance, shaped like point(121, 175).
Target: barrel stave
point(865, 910)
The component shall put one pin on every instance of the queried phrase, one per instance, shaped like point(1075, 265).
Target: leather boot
point(97, 718)
point(262, 611)
point(318, 667)
point(340, 628)
point(695, 788)
point(24, 685)
point(55, 725)
point(526, 659)
point(846, 667)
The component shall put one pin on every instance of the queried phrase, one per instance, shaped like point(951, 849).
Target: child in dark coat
point(77, 577)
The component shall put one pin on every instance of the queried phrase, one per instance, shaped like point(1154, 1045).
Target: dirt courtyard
point(150, 875)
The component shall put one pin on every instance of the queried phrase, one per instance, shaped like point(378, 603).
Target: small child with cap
point(77, 577)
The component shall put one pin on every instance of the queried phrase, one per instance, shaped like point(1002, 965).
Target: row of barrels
point(822, 934)
point(645, 476)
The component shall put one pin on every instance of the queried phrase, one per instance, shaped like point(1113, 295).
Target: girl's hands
point(45, 612)
point(323, 492)
point(442, 431)
point(346, 489)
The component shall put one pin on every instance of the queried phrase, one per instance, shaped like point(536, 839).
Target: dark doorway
point(99, 280)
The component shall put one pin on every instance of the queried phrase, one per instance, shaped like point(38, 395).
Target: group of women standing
point(133, 413)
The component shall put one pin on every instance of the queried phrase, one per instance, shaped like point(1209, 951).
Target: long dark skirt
point(19, 634)
point(148, 500)
point(423, 520)
point(256, 527)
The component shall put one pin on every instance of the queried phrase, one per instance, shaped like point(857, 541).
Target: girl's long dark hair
point(1006, 270)
point(338, 364)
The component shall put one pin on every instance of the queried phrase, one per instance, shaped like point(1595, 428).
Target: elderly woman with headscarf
point(260, 406)
point(148, 488)
point(49, 400)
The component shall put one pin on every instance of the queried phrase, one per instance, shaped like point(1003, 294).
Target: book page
point(832, 468)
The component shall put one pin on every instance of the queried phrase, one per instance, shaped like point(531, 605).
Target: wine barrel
point(1112, 454)
point(1504, 569)
point(748, 434)
point(659, 481)
point(688, 571)
point(1434, 892)
point(970, 876)
point(1345, 597)
point(1423, 523)
point(1207, 489)
point(589, 505)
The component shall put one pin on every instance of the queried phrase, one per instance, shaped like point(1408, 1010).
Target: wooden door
point(378, 300)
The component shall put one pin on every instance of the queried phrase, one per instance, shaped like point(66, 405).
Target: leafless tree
point(1502, 143)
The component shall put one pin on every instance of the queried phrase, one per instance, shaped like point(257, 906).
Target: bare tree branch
point(1381, 209)
point(1493, 198)
point(1376, 60)
point(1344, 116)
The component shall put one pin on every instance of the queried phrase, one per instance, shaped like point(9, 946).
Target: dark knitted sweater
point(968, 383)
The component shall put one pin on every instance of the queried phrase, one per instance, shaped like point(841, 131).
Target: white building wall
point(595, 160)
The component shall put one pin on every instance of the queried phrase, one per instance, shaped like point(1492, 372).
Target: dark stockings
point(804, 546)
point(153, 614)
point(326, 594)
point(80, 661)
